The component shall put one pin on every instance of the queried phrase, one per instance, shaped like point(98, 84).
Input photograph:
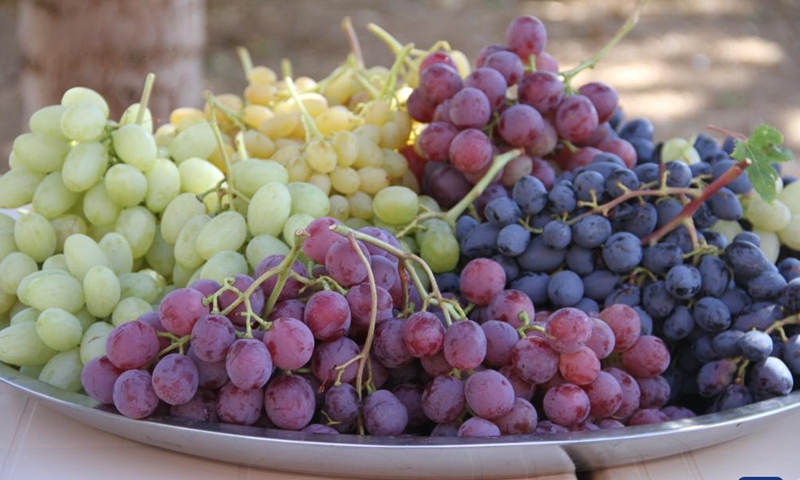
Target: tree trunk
point(110, 46)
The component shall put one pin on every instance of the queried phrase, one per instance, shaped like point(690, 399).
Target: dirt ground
point(688, 64)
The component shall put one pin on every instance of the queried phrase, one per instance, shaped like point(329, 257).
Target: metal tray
point(410, 457)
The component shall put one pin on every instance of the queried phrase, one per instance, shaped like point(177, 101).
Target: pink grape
point(489, 394)
point(625, 323)
point(566, 404)
point(439, 82)
point(388, 346)
point(546, 427)
point(202, 407)
point(344, 264)
point(360, 304)
point(609, 423)
point(328, 355)
point(520, 125)
point(478, 427)
point(648, 416)
point(509, 305)
point(438, 56)
point(481, 280)
point(291, 289)
point(542, 91)
point(239, 313)
point(422, 334)
point(605, 395)
point(410, 395)
point(630, 393)
point(320, 238)
point(98, 377)
point(546, 63)
point(206, 286)
point(248, 363)
point(384, 271)
point(180, 309)
point(290, 343)
point(327, 315)
point(604, 98)
point(491, 83)
point(520, 420)
point(522, 389)
point(470, 151)
point(175, 379)
point(212, 336)
point(602, 340)
point(152, 319)
point(655, 392)
point(648, 357)
point(132, 345)
point(288, 308)
point(568, 329)
point(384, 414)
point(435, 364)
point(133, 394)
point(500, 339)
point(238, 405)
point(470, 108)
point(534, 360)
point(210, 375)
point(342, 403)
point(419, 108)
point(621, 148)
point(443, 399)
point(525, 36)
point(484, 53)
point(576, 118)
point(508, 64)
point(675, 412)
point(289, 402)
point(580, 367)
point(434, 141)
point(464, 345)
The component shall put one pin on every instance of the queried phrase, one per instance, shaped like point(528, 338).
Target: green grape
point(395, 205)
point(269, 209)
point(128, 310)
point(727, 228)
point(39, 152)
point(199, 175)
point(224, 264)
point(138, 226)
point(321, 156)
point(262, 246)
point(101, 290)
point(356, 223)
point(139, 285)
point(340, 208)
point(790, 236)
point(16, 308)
point(296, 222)
point(179, 210)
point(771, 217)
point(7, 301)
point(308, 199)
point(161, 256)
point(76, 95)
point(32, 371)
point(35, 236)
point(13, 269)
point(226, 231)
point(56, 262)
point(164, 135)
point(251, 174)
point(135, 146)
point(427, 203)
point(52, 197)
point(17, 186)
point(118, 251)
point(85, 318)
point(770, 244)
point(394, 163)
point(54, 290)
point(186, 254)
point(6, 223)
point(196, 141)
point(82, 253)
point(26, 315)
point(125, 185)
point(59, 329)
point(679, 149)
point(163, 185)
point(47, 120)
point(7, 243)
point(20, 345)
point(63, 371)
point(83, 122)
point(93, 343)
point(360, 205)
point(790, 196)
point(84, 166)
point(98, 207)
point(22, 288)
point(181, 276)
point(129, 117)
point(66, 225)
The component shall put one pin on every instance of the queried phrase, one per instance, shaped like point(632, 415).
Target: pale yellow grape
point(7, 301)
point(59, 329)
point(335, 119)
point(258, 145)
point(403, 122)
point(394, 163)
point(135, 146)
point(729, 229)
point(314, 103)
point(260, 94)
point(98, 231)
point(20, 345)
point(55, 290)
point(308, 199)
point(118, 251)
point(179, 211)
point(790, 196)
point(93, 342)
point(281, 125)
point(161, 256)
point(101, 290)
point(126, 185)
point(52, 198)
point(13, 269)
point(63, 371)
point(679, 149)
point(84, 166)
point(186, 254)
point(321, 181)
point(185, 117)
point(199, 175)
point(251, 174)
point(47, 120)
point(346, 145)
point(98, 207)
point(772, 217)
point(39, 152)
point(226, 231)
point(373, 179)
point(82, 254)
point(340, 88)
point(18, 307)
point(83, 122)
point(462, 62)
point(261, 246)
point(345, 180)
point(790, 236)
point(35, 236)
point(129, 117)
point(196, 141)
point(368, 132)
point(138, 226)
point(56, 262)
point(295, 222)
point(139, 285)
point(321, 156)
point(376, 112)
point(163, 185)
point(128, 310)
point(224, 264)
point(340, 208)
point(391, 136)
point(27, 315)
point(254, 115)
point(261, 75)
point(286, 153)
point(269, 208)
point(360, 205)
point(298, 169)
point(181, 276)
point(369, 153)
point(164, 136)
point(229, 100)
point(17, 186)
point(7, 243)
point(160, 280)
point(85, 318)
point(76, 95)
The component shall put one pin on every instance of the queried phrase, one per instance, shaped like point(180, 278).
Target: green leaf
point(763, 149)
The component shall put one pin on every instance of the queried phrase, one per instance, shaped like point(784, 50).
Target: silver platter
point(406, 457)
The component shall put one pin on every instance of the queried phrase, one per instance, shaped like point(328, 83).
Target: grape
point(342, 403)
point(418, 107)
point(132, 345)
point(580, 367)
point(565, 289)
point(180, 309)
point(508, 64)
point(655, 392)
point(534, 360)
point(679, 324)
point(711, 314)
point(647, 357)
point(591, 231)
point(344, 263)
point(605, 395)
point(59, 329)
point(715, 376)
point(733, 396)
point(292, 286)
point(770, 376)
point(480, 241)
point(93, 343)
point(438, 82)
point(248, 363)
point(525, 36)
point(210, 375)
point(360, 303)
point(489, 394)
point(290, 343)
point(566, 404)
point(630, 393)
point(410, 395)
point(502, 211)
point(212, 336)
point(443, 399)
point(331, 354)
point(239, 406)
point(576, 118)
point(470, 108)
point(13, 269)
point(520, 125)
point(388, 347)
point(439, 250)
point(767, 285)
point(422, 334)
point(602, 340)
point(683, 281)
point(647, 416)
point(500, 339)
point(395, 205)
point(384, 414)
point(657, 299)
point(175, 379)
point(84, 166)
point(491, 83)
point(289, 402)
point(482, 280)
point(478, 427)
point(135, 146)
point(134, 395)
point(470, 151)
point(568, 329)
point(434, 140)
point(603, 97)
point(269, 209)
point(98, 378)
point(202, 407)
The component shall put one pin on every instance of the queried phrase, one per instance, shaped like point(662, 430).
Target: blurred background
point(688, 64)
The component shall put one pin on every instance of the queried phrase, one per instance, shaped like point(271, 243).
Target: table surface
point(37, 443)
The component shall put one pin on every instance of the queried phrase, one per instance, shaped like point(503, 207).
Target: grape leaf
point(763, 149)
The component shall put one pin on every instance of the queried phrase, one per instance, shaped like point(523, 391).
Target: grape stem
point(247, 61)
point(221, 145)
point(148, 88)
point(498, 164)
point(352, 40)
point(373, 314)
point(177, 343)
point(312, 132)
